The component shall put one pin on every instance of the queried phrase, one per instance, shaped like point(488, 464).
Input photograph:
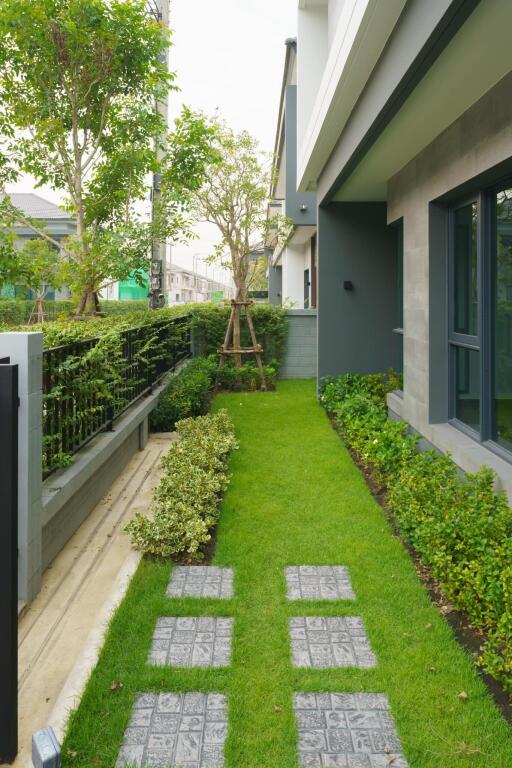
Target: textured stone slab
point(347, 730)
point(325, 643)
point(170, 730)
point(319, 582)
point(191, 642)
point(201, 581)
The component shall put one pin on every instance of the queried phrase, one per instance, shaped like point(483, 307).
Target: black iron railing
point(88, 384)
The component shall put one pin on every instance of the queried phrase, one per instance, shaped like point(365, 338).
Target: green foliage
point(79, 80)
point(209, 323)
point(459, 525)
point(187, 394)
point(16, 312)
point(186, 502)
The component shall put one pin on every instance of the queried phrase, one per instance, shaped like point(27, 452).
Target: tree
point(79, 80)
point(234, 198)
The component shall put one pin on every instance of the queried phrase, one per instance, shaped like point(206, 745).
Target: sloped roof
point(38, 208)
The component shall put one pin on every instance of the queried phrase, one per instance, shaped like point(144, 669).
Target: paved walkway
point(56, 629)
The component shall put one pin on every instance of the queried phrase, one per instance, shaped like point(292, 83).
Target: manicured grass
point(297, 498)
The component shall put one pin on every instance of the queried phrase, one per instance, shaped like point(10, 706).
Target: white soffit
point(476, 59)
point(363, 29)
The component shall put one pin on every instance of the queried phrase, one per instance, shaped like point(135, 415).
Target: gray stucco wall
point(275, 285)
point(301, 353)
point(294, 199)
point(355, 328)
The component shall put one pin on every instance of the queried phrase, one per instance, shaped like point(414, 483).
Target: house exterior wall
point(293, 275)
point(479, 141)
point(355, 327)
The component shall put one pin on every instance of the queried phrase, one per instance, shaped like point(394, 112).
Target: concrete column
point(143, 433)
point(26, 349)
point(293, 276)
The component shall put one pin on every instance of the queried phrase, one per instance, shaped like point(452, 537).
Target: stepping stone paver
point(325, 643)
point(201, 581)
point(352, 730)
point(319, 582)
point(192, 642)
point(169, 730)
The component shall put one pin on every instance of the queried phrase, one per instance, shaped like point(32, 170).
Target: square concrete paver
point(351, 730)
point(170, 730)
point(319, 582)
point(201, 581)
point(191, 642)
point(324, 643)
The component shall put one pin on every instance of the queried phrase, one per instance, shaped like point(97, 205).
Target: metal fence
point(88, 384)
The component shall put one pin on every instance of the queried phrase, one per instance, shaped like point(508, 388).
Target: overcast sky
point(228, 56)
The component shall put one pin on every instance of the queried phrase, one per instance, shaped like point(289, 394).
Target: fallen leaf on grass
point(466, 749)
point(278, 709)
point(71, 753)
point(115, 685)
point(463, 696)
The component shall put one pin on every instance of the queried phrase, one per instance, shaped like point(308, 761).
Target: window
point(464, 322)
point(480, 317)
point(399, 314)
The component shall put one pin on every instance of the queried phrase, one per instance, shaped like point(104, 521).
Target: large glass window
point(480, 333)
point(503, 320)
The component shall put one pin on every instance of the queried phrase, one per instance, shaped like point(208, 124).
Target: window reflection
point(465, 270)
point(503, 320)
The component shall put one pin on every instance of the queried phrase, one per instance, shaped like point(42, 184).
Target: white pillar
point(26, 349)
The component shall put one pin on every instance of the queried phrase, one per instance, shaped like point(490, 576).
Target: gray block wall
point(300, 361)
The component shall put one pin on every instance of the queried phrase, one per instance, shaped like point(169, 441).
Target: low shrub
point(186, 502)
point(187, 394)
point(458, 524)
point(15, 312)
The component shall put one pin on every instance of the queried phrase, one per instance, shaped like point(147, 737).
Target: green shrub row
point(17, 311)
point(459, 525)
point(209, 322)
point(188, 393)
point(186, 502)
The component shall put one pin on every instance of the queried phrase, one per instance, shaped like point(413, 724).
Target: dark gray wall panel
point(355, 327)
point(294, 199)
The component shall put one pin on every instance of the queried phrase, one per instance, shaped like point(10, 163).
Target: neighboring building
point(404, 130)
point(58, 223)
point(292, 266)
point(185, 286)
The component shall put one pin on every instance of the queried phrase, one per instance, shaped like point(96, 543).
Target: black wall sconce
point(348, 285)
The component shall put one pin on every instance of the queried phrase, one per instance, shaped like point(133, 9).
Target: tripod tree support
point(232, 342)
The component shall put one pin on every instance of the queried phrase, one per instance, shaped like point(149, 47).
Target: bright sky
point(229, 56)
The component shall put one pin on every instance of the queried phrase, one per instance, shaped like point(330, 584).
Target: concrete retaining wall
point(300, 360)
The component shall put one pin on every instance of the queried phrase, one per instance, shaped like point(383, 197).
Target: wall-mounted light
point(348, 285)
point(303, 207)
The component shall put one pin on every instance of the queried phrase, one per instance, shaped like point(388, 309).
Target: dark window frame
point(485, 341)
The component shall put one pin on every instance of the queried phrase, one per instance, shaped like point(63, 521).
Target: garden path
point(383, 666)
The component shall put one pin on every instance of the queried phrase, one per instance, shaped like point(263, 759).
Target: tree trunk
point(236, 334)
point(88, 303)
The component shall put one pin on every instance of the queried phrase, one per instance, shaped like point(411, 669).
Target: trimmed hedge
point(15, 312)
point(186, 502)
point(459, 525)
point(209, 323)
point(188, 393)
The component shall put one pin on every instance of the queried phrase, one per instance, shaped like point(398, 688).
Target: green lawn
point(297, 498)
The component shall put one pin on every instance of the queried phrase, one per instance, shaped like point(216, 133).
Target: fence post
point(26, 351)
point(8, 562)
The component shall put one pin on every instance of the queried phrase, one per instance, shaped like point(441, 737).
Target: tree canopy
point(79, 81)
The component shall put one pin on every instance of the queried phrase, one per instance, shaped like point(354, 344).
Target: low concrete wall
point(300, 361)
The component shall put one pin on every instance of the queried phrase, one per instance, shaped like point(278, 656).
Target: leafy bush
point(209, 322)
point(459, 525)
point(187, 394)
point(187, 500)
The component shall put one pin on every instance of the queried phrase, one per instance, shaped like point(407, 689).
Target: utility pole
point(159, 10)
